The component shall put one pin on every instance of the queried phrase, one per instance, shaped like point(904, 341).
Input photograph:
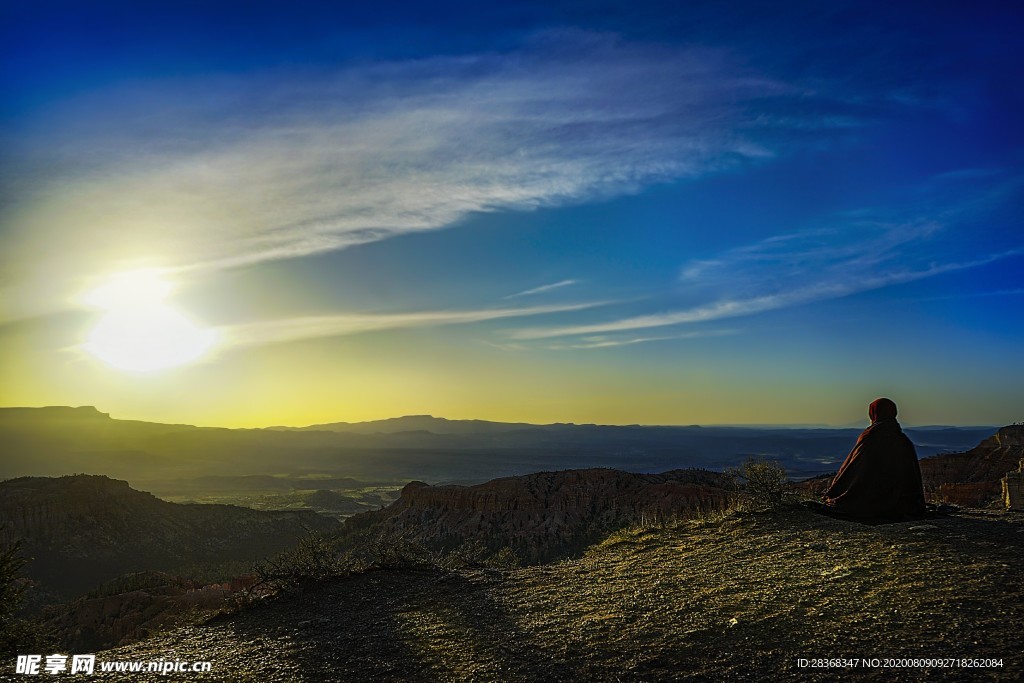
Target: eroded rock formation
point(543, 515)
point(974, 478)
point(1013, 489)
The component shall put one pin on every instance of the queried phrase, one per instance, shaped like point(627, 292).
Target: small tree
point(761, 484)
point(15, 633)
point(316, 557)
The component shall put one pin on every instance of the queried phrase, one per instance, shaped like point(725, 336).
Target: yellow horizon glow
point(452, 372)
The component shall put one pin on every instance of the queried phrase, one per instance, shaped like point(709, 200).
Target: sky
point(249, 214)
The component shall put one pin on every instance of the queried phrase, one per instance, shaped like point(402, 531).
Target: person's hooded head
point(882, 409)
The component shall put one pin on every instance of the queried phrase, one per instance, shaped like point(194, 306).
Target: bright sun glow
point(140, 332)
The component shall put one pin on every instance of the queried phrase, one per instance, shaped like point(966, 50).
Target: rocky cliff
point(1013, 489)
point(544, 515)
point(82, 530)
point(131, 608)
point(973, 478)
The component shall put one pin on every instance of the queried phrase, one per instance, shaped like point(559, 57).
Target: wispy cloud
point(795, 269)
point(601, 342)
point(715, 311)
point(336, 325)
point(542, 288)
point(225, 171)
point(971, 295)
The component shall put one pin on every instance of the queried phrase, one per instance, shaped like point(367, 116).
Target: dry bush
point(316, 557)
point(16, 633)
point(761, 485)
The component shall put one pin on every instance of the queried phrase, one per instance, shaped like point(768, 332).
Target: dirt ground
point(742, 597)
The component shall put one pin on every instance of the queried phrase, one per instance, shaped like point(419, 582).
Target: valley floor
point(740, 598)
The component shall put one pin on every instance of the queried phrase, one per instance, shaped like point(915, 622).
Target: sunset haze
point(613, 213)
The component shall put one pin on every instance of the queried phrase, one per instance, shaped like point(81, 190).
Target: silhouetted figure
point(880, 479)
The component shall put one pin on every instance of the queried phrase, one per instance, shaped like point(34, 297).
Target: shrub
point(16, 634)
point(474, 553)
point(761, 485)
point(316, 557)
point(321, 556)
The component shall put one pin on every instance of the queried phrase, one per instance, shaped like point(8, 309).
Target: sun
point(139, 331)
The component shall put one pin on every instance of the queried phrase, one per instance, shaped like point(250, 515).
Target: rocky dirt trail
point(742, 597)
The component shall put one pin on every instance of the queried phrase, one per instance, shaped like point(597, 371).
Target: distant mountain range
point(62, 440)
point(441, 425)
point(420, 423)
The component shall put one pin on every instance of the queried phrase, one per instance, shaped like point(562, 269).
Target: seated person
point(880, 479)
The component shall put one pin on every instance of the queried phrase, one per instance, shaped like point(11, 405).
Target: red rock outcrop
point(1013, 488)
point(134, 607)
point(543, 515)
point(974, 478)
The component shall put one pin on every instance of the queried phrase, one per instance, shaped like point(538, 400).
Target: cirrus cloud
point(232, 170)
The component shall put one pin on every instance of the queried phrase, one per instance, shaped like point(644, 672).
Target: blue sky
point(612, 212)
